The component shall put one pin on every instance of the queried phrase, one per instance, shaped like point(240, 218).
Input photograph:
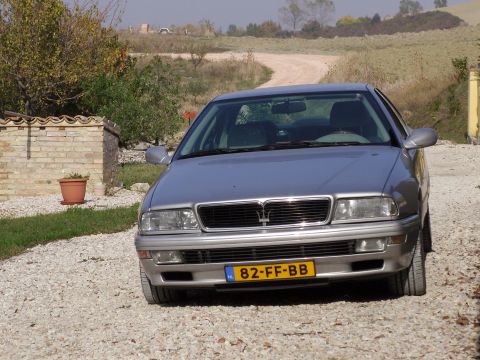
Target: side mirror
point(157, 155)
point(421, 138)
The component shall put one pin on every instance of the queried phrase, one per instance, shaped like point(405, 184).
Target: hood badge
point(263, 217)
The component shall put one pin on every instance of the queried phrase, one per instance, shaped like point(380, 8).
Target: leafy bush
point(47, 49)
point(145, 102)
point(461, 68)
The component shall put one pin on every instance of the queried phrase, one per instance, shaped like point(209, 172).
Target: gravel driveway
point(81, 298)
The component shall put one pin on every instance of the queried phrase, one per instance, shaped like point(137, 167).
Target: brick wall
point(35, 153)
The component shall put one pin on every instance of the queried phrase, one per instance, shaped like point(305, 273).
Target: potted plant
point(73, 188)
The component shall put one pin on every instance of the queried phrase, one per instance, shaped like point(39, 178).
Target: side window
point(394, 113)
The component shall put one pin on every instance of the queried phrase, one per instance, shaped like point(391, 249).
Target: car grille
point(336, 248)
point(271, 213)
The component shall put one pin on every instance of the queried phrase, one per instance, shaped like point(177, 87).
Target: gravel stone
point(30, 206)
point(131, 156)
point(140, 187)
point(81, 298)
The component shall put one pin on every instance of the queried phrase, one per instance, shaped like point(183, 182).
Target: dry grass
point(469, 12)
point(448, 40)
point(414, 72)
point(156, 43)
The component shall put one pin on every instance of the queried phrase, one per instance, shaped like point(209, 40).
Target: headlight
point(167, 220)
point(378, 208)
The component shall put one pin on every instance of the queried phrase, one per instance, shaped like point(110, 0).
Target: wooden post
point(473, 108)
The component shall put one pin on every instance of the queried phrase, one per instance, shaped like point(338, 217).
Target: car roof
point(293, 89)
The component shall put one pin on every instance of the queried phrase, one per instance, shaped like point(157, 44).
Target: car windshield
point(282, 122)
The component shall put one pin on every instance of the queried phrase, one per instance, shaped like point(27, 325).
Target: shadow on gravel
point(348, 292)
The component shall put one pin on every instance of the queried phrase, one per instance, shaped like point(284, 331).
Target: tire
point(427, 234)
point(158, 294)
point(411, 281)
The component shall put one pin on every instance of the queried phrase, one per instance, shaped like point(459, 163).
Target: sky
point(164, 13)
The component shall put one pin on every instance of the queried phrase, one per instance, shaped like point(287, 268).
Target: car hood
point(272, 174)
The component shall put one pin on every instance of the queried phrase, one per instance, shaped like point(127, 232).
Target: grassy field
point(22, 233)
point(416, 72)
point(449, 39)
point(468, 12)
point(130, 174)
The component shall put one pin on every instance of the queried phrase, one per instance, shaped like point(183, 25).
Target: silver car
point(289, 187)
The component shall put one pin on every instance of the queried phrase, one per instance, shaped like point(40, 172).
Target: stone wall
point(36, 152)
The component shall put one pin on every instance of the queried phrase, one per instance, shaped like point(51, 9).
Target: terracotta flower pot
point(73, 191)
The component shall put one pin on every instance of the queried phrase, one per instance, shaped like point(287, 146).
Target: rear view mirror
point(289, 107)
point(157, 155)
point(421, 138)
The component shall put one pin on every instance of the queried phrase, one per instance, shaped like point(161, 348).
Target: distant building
point(144, 29)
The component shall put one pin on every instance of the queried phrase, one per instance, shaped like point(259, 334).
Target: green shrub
point(144, 102)
point(461, 68)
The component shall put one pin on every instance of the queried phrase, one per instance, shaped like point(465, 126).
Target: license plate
point(295, 270)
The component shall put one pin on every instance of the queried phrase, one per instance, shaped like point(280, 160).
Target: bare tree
point(293, 14)
point(440, 3)
point(410, 7)
point(320, 11)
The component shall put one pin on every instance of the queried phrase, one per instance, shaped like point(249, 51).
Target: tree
point(233, 30)
point(293, 14)
point(319, 11)
point(144, 102)
point(198, 51)
point(410, 7)
point(269, 29)
point(48, 48)
point(312, 29)
point(376, 19)
point(440, 3)
point(252, 29)
point(350, 20)
point(207, 27)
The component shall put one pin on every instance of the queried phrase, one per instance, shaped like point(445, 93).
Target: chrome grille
point(336, 248)
point(270, 213)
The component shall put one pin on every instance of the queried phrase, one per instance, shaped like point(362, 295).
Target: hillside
point(430, 20)
point(468, 12)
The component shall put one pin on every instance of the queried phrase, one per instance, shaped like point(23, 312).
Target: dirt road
point(288, 69)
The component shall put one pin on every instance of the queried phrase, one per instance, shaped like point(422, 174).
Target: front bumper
point(328, 268)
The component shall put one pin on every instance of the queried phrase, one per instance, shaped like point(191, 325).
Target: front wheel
point(427, 234)
point(158, 294)
point(411, 281)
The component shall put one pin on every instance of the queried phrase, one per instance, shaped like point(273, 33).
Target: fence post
point(473, 108)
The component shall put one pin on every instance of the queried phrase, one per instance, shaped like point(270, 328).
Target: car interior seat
point(251, 134)
point(352, 116)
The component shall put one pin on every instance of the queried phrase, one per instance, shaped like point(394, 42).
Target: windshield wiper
point(213, 152)
point(344, 143)
point(306, 144)
point(291, 145)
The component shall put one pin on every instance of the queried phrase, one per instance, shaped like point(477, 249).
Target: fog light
point(369, 245)
point(167, 257)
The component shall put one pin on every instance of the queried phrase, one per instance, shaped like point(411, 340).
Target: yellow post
point(473, 131)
